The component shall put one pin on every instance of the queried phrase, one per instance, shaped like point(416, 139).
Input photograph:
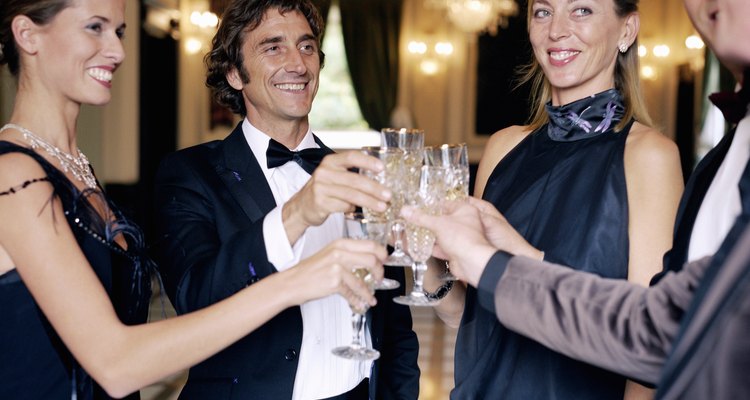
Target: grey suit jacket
point(632, 330)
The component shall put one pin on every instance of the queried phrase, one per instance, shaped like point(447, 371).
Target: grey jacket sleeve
point(610, 323)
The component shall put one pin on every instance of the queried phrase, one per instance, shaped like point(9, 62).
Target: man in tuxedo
point(234, 211)
point(688, 332)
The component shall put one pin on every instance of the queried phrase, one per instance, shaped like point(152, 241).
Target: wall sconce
point(162, 19)
point(661, 51)
point(642, 51)
point(648, 72)
point(430, 55)
point(694, 42)
point(200, 31)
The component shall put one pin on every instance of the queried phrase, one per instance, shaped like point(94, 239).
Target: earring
point(623, 48)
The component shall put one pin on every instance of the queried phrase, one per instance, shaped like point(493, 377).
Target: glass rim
point(360, 215)
point(447, 146)
point(406, 131)
point(383, 149)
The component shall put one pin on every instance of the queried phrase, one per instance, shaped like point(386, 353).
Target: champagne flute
point(411, 141)
point(455, 159)
point(421, 240)
point(390, 177)
point(357, 226)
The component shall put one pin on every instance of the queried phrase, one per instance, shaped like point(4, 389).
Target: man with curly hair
point(234, 211)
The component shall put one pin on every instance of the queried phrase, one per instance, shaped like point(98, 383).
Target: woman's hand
point(331, 271)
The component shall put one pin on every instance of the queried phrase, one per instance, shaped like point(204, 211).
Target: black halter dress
point(563, 188)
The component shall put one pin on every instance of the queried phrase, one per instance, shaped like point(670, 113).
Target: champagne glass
point(421, 240)
point(455, 159)
point(390, 177)
point(411, 141)
point(357, 226)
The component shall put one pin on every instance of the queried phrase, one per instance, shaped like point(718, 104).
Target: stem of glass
point(398, 243)
point(358, 320)
point(419, 269)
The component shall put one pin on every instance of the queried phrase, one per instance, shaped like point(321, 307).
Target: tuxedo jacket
point(690, 203)
point(688, 333)
point(211, 200)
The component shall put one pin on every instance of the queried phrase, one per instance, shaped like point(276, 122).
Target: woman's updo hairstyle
point(39, 11)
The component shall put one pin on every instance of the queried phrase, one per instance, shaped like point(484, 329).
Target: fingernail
point(406, 211)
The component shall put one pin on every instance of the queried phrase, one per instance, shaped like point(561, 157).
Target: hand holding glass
point(357, 226)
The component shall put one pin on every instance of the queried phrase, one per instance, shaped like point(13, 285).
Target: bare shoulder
point(20, 177)
point(502, 142)
point(497, 147)
point(646, 148)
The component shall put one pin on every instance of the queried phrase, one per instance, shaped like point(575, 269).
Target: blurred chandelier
point(475, 16)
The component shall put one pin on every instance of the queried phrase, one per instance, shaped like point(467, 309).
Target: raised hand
point(500, 233)
point(330, 271)
point(333, 187)
point(460, 237)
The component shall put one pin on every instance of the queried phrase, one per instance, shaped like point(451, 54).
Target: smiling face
point(725, 25)
point(81, 47)
point(576, 44)
point(283, 65)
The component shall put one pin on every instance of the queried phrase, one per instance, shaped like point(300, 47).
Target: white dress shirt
point(327, 321)
point(722, 205)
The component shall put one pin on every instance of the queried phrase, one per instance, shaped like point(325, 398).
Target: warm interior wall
point(444, 104)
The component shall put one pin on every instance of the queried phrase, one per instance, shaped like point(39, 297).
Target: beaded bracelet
point(441, 291)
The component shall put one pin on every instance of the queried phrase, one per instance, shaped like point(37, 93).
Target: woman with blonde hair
point(588, 183)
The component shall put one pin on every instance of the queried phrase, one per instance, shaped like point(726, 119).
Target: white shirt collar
point(258, 142)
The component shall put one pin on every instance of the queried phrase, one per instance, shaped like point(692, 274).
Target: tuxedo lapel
point(695, 190)
point(238, 168)
point(724, 283)
point(726, 277)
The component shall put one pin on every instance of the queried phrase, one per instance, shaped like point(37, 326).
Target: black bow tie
point(733, 104)
point(309, 159)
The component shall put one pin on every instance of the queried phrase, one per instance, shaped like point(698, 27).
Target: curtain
point(371, 36)
point(323, 6)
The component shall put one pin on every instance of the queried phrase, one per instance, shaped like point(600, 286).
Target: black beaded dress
point(563, 188)
point(34, 363)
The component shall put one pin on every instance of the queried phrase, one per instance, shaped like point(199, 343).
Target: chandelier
point(475, 16)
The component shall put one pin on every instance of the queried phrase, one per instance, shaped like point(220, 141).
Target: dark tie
point(309, 159)
point(733, 104)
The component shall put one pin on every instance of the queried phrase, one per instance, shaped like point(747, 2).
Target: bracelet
point(441, 291)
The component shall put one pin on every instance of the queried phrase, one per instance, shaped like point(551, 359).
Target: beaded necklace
point(78, 166)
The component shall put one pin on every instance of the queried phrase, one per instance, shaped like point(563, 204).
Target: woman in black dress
point(588, 183)
point(74, 277)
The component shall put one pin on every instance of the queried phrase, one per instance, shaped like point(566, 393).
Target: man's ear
point(25, 34)
point(234, 79)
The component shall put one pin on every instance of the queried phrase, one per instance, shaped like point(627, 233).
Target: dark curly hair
point(240, 17)
point(39, 11)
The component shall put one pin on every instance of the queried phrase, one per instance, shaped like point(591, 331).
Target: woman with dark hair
point(588, 183)
point(74, 277)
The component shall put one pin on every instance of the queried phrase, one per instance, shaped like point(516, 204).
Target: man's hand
point(334, 188)
point(500, 233)
point(460, 238)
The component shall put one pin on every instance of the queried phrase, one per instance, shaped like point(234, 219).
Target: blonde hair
point(627, 80)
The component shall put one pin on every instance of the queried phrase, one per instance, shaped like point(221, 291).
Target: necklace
point(78, 166)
